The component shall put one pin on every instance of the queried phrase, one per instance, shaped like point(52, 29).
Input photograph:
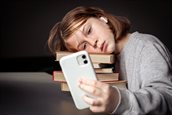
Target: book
point(104, 70)
point(96, 58)
point(102, 65)
point(59, 76)
point(119, 84)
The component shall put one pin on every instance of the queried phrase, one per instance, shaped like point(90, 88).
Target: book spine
point(96, 58)
point(119, 84)
point(59, 76)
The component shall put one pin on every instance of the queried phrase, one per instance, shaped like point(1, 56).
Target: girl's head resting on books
point(88, 28)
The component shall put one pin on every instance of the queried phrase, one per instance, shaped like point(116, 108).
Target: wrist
point(116, 99)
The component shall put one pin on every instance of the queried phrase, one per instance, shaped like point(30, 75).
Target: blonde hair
point(63, 29)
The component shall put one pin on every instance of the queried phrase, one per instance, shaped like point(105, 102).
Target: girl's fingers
point(92, 101)
point(96, 105)
point(96, 109)
point(94, 87)
point(91, 90)
point(93, 83)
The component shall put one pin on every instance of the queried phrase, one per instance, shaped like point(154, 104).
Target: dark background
point(25, 27)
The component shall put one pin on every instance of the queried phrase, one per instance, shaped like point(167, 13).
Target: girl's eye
point(84, 46)
point(89, 30)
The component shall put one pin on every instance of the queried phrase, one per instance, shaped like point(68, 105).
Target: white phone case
point(75, 66)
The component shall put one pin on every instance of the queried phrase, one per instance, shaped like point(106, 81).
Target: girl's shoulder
point(145, 38)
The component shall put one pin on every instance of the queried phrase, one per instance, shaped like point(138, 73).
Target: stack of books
point(104, 68)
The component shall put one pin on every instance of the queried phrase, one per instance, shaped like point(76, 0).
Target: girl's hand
point(106, 97)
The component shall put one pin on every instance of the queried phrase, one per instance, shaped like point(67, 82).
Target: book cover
point(103, 65)
point(119, 84)
point(104, 70)
point(96, 58)
point(59, 76)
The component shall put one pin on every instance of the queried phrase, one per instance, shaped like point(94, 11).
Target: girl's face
point(93, 36)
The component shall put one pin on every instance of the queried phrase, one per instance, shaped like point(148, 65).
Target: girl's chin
point(107, 52)
point(110, 50)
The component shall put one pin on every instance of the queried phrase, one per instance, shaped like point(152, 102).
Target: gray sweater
point(147, 65)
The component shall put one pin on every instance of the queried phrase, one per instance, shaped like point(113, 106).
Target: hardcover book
point(59, 76)
point(119, 84)
point(96, 58)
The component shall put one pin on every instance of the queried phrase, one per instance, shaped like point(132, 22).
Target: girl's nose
point(93, 43)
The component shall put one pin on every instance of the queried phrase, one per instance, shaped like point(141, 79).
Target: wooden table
point(34, 93)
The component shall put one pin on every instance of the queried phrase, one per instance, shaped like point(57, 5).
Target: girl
point(142, 59)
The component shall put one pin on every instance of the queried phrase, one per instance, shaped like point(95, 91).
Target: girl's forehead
point(80, 25)
point(76, 35)
point(78, 28)
point(75, 39)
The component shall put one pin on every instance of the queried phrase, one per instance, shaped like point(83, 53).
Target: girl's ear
point(104, 19)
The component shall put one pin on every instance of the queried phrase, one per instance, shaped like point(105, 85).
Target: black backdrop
point(25, 26)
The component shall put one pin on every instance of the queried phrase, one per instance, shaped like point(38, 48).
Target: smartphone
point(74, 67)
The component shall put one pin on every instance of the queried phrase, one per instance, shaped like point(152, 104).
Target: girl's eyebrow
point(81, 32)
point(83, 29)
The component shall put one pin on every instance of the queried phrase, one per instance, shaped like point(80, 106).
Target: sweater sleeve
point(155, 94)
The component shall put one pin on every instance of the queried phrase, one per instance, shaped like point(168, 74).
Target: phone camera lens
point(83, 56)
point(85, 61)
